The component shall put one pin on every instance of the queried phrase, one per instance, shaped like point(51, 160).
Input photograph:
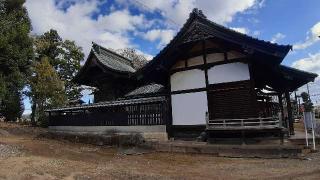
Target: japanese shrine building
point(208, 78)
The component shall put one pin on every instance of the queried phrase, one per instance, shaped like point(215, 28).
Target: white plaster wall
point(228, 73)
point(189, 108)
point(189, 79)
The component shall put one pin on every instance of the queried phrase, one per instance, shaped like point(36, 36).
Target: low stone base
point(243, 151)
point(149, 133)
point(160, 136)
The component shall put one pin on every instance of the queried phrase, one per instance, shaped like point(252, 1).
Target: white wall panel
point(228, 73)
point(190, 79)
point(189, 108)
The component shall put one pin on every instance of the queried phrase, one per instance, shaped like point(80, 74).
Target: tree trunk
point(33, 113)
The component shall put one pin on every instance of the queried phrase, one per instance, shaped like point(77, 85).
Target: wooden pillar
point(204, 57)
point(169, 120)
point(289, 109)
point(50, 119)
point(267, 107)
point(281, 109)
point(253, 94)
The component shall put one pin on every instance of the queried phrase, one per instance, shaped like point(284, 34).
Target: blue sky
point(149, 25)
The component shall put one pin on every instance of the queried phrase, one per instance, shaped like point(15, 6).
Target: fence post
point(305, 128)
point(313, 135)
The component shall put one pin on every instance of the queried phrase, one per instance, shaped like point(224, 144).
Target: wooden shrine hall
point(209, 78)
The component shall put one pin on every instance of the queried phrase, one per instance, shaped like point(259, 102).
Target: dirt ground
point(23, 155)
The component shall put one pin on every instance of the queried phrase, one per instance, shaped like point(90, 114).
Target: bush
point(43, 120)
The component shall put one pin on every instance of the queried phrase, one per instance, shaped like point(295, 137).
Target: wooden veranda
point(245, 126)
point(130, 112)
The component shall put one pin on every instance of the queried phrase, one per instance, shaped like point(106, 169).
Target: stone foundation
point(149, 133)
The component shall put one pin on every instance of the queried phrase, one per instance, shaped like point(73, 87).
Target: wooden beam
point(208, 65)
point(204, 55)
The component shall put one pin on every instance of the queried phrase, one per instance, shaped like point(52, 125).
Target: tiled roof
point(212, 29)
point(112, 103)
point(146, 89)
point(112, 60)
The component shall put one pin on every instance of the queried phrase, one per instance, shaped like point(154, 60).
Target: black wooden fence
point(126, 113)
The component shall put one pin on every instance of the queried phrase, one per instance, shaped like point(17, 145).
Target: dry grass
point(52, 159)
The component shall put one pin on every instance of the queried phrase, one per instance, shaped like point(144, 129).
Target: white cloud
point(256, 33)
point(277, 37)
point(120, 21)
point(176, 12)
point(242, 30)
point(219, 11)
point(310, 63)
point(75, 23)
point(112, 29)
point(246, 31)
point(312, 37)
point(163, 35)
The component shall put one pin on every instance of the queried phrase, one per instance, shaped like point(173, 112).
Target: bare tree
point(138, 60)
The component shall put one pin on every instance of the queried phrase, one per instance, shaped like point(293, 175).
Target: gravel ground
point(8, 151)
point(23, 156)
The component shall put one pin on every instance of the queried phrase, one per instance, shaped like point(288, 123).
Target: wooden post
point(50, 119)
point(169, 120)
point(243, 137)
point(281, 110)
point(289, 109)
point(207, 120)
point(281, 137)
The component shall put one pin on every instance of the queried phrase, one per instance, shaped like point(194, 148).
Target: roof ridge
point(112, 52)
point(112, 59)
point(198, 13)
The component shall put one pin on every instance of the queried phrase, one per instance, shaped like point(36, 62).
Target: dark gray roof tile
point(111, 103)
point(112, 60)
point(146, 89)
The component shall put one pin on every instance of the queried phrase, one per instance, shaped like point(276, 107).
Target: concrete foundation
point(240, 151)
point(150, 133)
